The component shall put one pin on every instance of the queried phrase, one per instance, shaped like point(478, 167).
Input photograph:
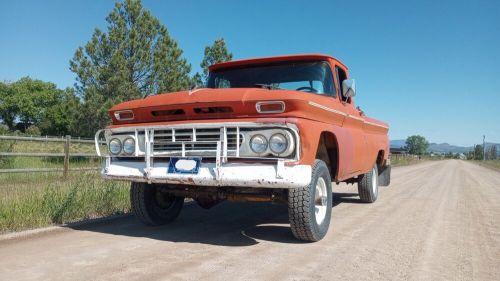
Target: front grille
point(196, 141)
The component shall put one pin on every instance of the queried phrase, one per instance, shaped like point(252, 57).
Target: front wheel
point(368, 186)
point(310, 207)
point(152, 206)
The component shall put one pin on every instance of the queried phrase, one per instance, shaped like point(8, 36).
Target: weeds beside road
point(29, 201)
point(404, 160)
point(494, 164)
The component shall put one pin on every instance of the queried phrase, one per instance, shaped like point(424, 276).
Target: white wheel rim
point(374, 181)
point(320, 201)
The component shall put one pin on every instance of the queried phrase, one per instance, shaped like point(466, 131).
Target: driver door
point(354, 123)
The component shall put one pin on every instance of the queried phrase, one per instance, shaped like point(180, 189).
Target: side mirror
point(348, 88)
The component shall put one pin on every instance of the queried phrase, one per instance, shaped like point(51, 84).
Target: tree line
point(134, 57)
point(478, 153)
point(418, 145)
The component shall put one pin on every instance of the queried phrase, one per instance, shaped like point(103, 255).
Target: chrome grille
point(196, 141)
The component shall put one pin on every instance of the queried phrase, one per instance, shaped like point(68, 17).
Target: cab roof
point(262, 60)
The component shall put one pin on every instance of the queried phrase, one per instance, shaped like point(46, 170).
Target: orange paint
point(359, 138)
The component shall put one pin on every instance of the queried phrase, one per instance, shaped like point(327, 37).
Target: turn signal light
point(270, 107)
point(124, 115)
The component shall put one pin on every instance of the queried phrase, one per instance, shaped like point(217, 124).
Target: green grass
point(38, 200)
point(495, 164)
point(404, 160)
point(31, 200)
point(53, 147)
point(48, 162)
point(45, 162)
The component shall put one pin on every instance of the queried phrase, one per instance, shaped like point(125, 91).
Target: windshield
point(308, 76)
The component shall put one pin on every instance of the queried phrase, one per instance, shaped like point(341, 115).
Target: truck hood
point(207, 104)
point(232, 103)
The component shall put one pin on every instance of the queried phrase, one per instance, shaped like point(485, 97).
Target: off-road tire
point(368, 186)
point(384, 178)
point(302, 207)
point(152, 207)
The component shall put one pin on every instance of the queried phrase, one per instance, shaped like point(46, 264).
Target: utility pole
point(484, 148)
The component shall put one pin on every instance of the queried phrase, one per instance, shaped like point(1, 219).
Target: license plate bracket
point(184, 165)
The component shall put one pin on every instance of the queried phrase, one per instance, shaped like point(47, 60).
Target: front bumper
point(224, 167)
point(230, 174)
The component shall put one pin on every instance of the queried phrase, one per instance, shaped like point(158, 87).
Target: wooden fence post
point(66, 155)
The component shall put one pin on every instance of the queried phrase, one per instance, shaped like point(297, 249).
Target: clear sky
point(425, 67)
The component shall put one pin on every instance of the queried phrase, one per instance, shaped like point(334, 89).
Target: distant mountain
point(443, 147)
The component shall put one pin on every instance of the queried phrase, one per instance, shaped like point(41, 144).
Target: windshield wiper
point(268, 86)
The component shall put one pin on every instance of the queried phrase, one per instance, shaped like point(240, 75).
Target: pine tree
point(134, 57)
point(216, 53)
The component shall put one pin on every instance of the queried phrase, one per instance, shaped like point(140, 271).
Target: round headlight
point(115, 146)
point(258, 143)
point(129, 146)
point(278, 143)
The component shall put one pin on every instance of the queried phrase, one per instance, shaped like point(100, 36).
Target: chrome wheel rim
point(374, 181)
point(320, 201)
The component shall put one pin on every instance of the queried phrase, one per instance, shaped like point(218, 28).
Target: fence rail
point(23, 154)
point(47, 139)
point(67, 140)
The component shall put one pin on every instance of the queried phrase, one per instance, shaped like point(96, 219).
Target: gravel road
point(437, 221)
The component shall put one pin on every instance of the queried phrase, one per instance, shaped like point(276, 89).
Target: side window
point(341, 76)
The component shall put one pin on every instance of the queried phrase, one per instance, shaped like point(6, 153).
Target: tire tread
point(302, 222)
point(365, 190)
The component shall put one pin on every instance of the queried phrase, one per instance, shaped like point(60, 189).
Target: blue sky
point(426, 67)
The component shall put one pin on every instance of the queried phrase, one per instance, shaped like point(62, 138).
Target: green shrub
point(33, 131)
point(6, 146)
point(4, 130)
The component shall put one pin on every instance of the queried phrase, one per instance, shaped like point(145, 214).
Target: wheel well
point(380, 159)
point(328, 152)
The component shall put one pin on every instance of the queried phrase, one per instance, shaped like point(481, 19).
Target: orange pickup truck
point(276, 129)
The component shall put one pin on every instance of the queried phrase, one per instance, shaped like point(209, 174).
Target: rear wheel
point(310, 207)
point(368, 186)
point(152, 206)
point(384, 178)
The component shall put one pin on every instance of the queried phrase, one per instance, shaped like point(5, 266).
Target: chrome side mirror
point(348, 88)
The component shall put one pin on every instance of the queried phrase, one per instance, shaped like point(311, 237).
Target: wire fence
point(65, 141)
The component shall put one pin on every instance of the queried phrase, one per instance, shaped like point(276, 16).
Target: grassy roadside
point(405, 160)
point(31, 200)
point(493, 164)
point(38, 200)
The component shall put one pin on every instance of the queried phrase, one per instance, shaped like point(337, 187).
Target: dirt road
point(437, 221)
